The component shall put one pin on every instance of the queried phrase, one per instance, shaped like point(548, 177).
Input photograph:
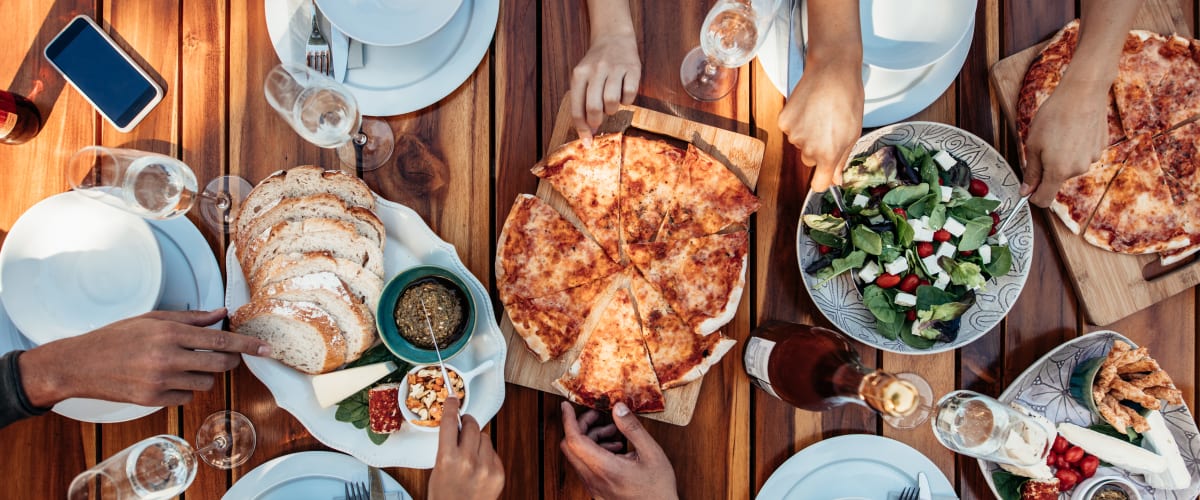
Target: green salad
point(919, 238)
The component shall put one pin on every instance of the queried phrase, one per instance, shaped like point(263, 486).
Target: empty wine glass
point(325, 113)
point(153, 185)
point(164, 466)
point(732, 32)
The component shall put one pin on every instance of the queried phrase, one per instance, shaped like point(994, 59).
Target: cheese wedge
point(335, 386)
point(1159, 440)
point(1112, 450)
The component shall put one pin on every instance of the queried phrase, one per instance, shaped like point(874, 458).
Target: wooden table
point(478, 145)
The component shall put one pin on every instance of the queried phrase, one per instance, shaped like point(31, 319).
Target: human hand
point(467, 467)
point(606, 77)
point(1066, 136)
point(593, 450)
point(151, 360)
point(823, 119)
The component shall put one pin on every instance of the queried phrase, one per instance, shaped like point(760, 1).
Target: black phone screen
point(100, 72)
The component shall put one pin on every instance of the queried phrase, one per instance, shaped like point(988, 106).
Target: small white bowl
point(904, 36)
point(1086, 489)
point(466, 376)
point(389, 23)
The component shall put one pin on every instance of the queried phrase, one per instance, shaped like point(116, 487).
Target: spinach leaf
point(916, 341)
point(963, 273)
point(377, 438)
point(1001, 262)
point(958, 176)
point(904, 232)
point(853, 260)
point(890, 330)
point(912, 155)
point(826, 230)
point(937, 217)
point(1107, 429)
point(974, 207)
point(866, 240)
point(958, 196)
point(879, 301)
point(1008, 485)
point(904, 195)
point(929, 171)
point(975, 234)
point(930, 296)
point(924, 205)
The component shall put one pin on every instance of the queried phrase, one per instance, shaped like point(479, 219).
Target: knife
point(376, 484)
point(339, 50)
point(923, 492)
point(796, 45)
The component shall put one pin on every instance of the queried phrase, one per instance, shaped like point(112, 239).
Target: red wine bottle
point(20, 119)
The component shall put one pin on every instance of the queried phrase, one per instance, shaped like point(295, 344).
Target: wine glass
point(164, 466)
point(325, 113)
point(979, 426)
point(152, 185)
point(732, 32)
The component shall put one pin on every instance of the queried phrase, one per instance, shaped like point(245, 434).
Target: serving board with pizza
point(1129, 228)
point(618, 276)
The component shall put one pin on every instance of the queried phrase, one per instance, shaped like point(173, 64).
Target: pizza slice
point(648, 174)
point(1179, 152)
point(1137, 214)
point(613, 365)
point(708, 198)
point(1177, 94)
point(701, 278)
point(590, 178)
point(551, 325)
point(1078, 196)
point(1140, 69)
point(679, 355)
point(540, 253)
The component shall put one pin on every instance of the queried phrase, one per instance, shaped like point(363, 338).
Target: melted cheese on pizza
point(590, 179)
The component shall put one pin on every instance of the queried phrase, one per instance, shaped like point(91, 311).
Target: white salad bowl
point(839, 300)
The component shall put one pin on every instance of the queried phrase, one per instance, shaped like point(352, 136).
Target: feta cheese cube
point(1001, 239)
point(925, 220)
point(991, 196)
point(931, 264)
point(946, 192)
point(878, 219)
point(869, 272)
point(896, 266)
point(953, 226)
point(944, 160)
point(860, 200)
point(905, 299)
point(922, 234)
point(985, 254)
point(945, 249)
point(917, 224)
point(942, 281)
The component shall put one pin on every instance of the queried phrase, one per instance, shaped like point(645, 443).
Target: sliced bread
point(318, 206)
point(303, 181)
point(301, 334)
point(339, 238)
point(363, 284)
point(355, 320)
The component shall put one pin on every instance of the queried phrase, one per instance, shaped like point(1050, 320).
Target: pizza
point(649, 171)
point(701, 278)
point(1145, 60)
point(708, 198)
point(1137, 214)
point(551, 325)
point(1179, 154)
point(613, 365)
point(1078, 196)
point(1177, 95)
point(590, 178)
point(679, 354)
point(539, 253)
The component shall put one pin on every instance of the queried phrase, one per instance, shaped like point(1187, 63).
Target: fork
point(358, 491)
point(909, 493)
point(316, 51)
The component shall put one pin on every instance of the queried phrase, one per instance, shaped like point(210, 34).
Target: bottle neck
point(888, 394)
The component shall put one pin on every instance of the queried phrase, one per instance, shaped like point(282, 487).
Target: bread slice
point(363, 284)
point(313, 235)
point(301, 334)
point(303, 181)
point(318, 206)
point(324, 289)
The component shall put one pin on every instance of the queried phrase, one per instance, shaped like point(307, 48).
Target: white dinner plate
point(853, 466)
point(193, 281)
point(1045, 388)
point(891, 96)
point(402, 79)
point(389, 22)
point(409, 243)
point(307, 474)
point(913, 34)
point(71, 264)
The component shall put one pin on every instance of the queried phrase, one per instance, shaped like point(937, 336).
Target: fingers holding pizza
point(1065, 138)
point(610, 72)
point(591, 448)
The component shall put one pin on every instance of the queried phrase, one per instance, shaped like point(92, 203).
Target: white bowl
point(1086, 489)
point(905, 35)
point(389, 23)
point(466, 376)
point(71, 264)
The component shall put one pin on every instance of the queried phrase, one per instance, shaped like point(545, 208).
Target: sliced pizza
point(613, 365)
point(648, 174)
point(590, 179)
point(701, 278)
point(1177, 94)
point(679, 355)
point(1078, 197)
point(540, 253)
point(1143, 64)
point(1179, 152)
point(551, 325)
point(1137, 214)
point(708, 198)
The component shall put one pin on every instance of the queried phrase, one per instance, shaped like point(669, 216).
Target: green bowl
point(385, 315)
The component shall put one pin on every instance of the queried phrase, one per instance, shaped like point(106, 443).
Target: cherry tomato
point(924, 283)
point(1061, 463)
point(941, 235)
point(995, 223)
point(1060, 444)
point(940, 181)
point(909, 283)
point(1088, 465)
point(1073, 454)
point(924, 249)
point(887, 280)
point(836, 213)
point(966, 253)
point(1051, 459)
point(1067, 479)
point(900, 211)
point(978, 188)
point(823, 249)
point(910, 315)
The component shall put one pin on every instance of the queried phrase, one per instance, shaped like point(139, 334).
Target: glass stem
point(360, 139)
point(218, 443)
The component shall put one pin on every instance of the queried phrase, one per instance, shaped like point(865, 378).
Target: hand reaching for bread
point(156, 359)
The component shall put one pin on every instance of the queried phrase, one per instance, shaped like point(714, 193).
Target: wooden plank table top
point(461, 162)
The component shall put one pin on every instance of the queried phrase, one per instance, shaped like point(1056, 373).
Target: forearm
point(609, 18)
point(14, 403)
point(1102, 31)
point(834, 35)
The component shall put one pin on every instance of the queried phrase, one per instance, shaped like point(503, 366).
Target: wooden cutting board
point(742, 154)
point(1110, 286)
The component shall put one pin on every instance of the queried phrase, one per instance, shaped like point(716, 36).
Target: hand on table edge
point(467, 467)
point(645, 472)
point(155, 359)
point(610, 71)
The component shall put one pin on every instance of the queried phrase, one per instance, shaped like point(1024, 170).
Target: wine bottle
point(816, 369)
point(20, 119)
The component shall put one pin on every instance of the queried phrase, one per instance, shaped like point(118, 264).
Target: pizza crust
point(727, 313)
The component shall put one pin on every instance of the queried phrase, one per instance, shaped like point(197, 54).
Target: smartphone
point(105, 75)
